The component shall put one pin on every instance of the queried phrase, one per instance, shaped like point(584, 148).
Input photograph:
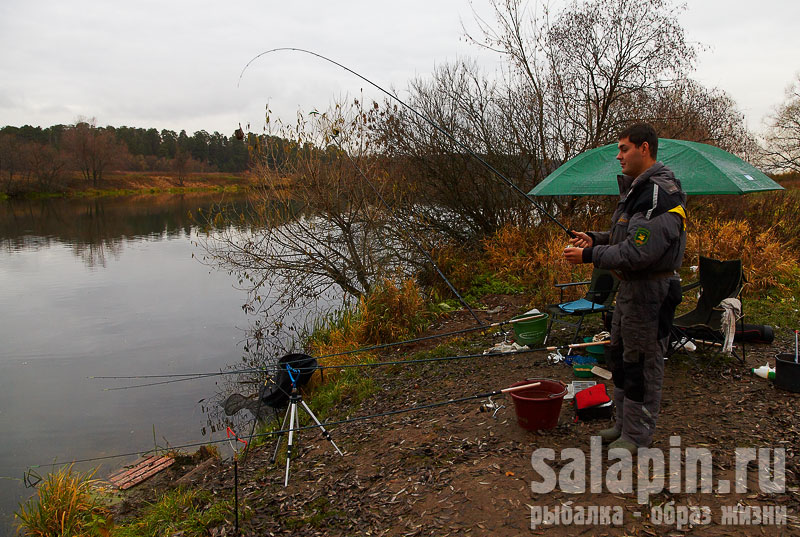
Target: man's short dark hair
point(638, 133)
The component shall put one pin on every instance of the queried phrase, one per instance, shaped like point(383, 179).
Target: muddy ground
point(453, 470)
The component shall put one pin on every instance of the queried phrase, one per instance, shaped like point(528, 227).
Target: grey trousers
point(639, 338)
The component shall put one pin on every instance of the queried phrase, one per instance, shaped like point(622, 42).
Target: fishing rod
point(393, 362)
point(335, 136)
point(425, 118)
point(308, 427)
point(464, 356)
point(343, 353)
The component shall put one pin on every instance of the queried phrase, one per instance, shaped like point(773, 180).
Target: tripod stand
point(293, 420)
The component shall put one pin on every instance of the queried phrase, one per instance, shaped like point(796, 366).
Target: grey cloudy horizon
point(176, 65)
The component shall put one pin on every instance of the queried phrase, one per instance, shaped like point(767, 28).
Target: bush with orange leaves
point(533, 257)
point(766, 261)
point(391, 312)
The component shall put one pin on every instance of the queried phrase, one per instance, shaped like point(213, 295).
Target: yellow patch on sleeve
point(678, 209)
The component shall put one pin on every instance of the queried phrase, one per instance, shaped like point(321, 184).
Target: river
point(105, 287)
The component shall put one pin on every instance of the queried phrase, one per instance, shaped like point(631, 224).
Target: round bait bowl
point(598, 352)
point(538, 407)
point(531, 332)
point(787, 373)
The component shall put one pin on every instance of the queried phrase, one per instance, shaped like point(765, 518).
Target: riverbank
point(454, 470)
point(117, 184)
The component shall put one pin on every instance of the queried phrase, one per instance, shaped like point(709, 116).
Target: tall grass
point(533, 257)
point(392, 312)
point(766, 260)
point(389, 313)
point(184, 512)
point(776, 212)
point(66, 503)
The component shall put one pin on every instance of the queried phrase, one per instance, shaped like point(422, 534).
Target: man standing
point(645, 247)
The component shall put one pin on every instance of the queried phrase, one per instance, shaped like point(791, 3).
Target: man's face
point(633, 159)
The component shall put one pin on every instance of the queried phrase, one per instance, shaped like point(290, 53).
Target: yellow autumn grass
point(66, 504)
point(767, 263)
point(533, 257)
point(390, 313)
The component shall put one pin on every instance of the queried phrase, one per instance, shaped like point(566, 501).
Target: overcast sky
point(175, 64)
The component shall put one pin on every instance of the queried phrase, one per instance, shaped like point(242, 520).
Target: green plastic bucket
point(598, 352)
point(531, 332)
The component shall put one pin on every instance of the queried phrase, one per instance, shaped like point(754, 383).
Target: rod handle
point(580, 345)
point(515, 388)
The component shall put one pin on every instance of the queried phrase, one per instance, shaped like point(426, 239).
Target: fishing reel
point(491, 406)
point(555, 357)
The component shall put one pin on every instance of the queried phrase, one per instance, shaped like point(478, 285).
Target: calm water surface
point(103, 288)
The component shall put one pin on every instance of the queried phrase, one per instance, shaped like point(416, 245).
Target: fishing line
point(284, 431)
point(488, 166)
point(462, 356)
point(403, 362)
point(404, 229)
point(343, 353)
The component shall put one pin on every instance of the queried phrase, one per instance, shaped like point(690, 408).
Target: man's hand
point(581, 240)
point(574, 255)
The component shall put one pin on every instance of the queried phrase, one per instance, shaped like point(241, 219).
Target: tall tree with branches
point(782, 151)
point(586, 64)
point(317, 223)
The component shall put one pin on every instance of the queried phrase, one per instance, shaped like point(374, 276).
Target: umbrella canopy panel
point(701, 168)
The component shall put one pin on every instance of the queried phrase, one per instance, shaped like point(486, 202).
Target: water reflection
point(95, 229)
point(105, 287)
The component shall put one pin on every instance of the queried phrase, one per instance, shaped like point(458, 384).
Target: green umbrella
point(701, 168)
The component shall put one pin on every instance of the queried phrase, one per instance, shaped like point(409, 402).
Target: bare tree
point(455, 195)
point(519, 36)
point(319, 226)
point(47, 165)
point(12, 161)
point(183, 164)
point(94, 150)
point(588, 63)
point(782, 151)
point(602, 53)
point(686, 110)
point(571, 82)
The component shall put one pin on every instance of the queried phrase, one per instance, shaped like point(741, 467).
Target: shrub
point(391, 312)
point(532, 256)
point(66, 504)
point(766, 261)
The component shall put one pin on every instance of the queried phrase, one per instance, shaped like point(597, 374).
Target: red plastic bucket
point(538, 407)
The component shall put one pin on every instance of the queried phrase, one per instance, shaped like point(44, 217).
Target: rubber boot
point(609, 435)
point(639, 424)
point(627, 445)
point(612, 433)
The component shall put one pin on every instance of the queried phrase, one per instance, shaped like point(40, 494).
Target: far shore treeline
point(52, 159)
point(138, 149)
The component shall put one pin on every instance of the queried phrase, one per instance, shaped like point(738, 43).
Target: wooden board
point(141, 470)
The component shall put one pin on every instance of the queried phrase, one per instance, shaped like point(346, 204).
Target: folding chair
point(599, 299)
point(702, 326)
